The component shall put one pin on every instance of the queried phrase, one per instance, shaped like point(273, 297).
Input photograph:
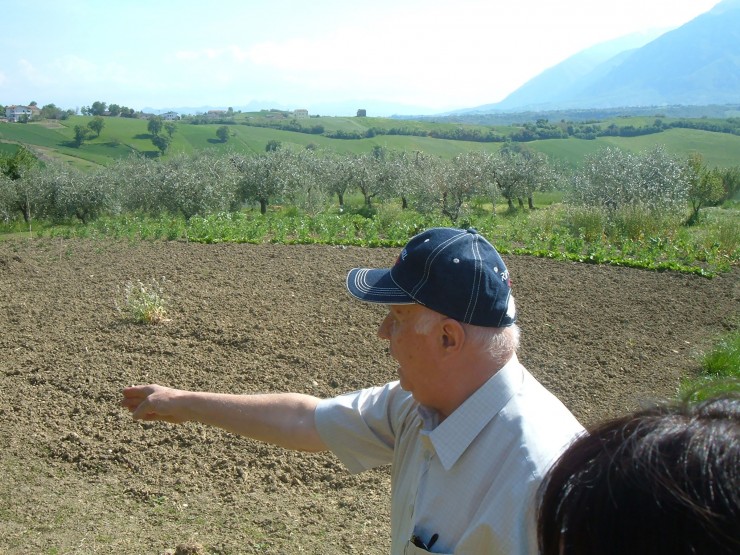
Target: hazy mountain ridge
point(695, 64)
point(345, 108)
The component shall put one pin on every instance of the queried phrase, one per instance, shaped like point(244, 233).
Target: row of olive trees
point(208, 182)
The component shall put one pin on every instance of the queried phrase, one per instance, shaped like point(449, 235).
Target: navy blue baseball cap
point(455, 272)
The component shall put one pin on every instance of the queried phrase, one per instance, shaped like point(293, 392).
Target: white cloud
point(33, 75)
point(76, 68)
point(186, 55)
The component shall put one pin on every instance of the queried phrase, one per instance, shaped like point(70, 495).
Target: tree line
point(540, 130)
point(208, 182)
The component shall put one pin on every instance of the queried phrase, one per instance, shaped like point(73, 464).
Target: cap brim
point(376, 286)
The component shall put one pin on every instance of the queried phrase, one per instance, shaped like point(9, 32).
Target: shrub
point(586, 222)
point(143, 303)
point(728, 236)
point(635, 222)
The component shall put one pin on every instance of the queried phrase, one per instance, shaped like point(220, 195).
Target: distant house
point(361, 113)
point(300, 113)
point(19, 113)
point(170, 116)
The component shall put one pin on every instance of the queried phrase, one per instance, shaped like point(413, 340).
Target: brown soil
point(79, 476)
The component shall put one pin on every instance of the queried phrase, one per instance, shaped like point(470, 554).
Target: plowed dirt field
point(78, 475)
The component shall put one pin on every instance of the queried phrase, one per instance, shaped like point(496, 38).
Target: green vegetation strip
point(540, 233)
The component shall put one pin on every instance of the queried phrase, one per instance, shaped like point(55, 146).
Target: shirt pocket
point(412, 549)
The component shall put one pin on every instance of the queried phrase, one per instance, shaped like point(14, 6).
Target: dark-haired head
point(664, 480)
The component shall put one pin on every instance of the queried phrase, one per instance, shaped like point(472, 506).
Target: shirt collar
point(455, 434)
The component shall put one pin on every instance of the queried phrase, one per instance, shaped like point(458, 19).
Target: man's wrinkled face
point(414, 349)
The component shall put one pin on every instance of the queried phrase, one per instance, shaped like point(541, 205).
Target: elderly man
point(468, 431)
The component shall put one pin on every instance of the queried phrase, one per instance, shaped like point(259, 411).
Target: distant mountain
point(254, 106)
point(347, 108)
point(696, 64)
point(586, 66)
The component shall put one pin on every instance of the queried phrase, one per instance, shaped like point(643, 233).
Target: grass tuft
point(721, 371)
point(143, 303)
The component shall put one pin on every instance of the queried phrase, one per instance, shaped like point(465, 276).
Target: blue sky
point(432, 55)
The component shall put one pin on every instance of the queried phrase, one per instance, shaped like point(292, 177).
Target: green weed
point(143, 303)
point(724, 360)
point(586, 222)
point(720, 371)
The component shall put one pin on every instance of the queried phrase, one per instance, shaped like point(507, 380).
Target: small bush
point(143, 303)
point(586, 222)
point(388, 216)
point(635, 222)
point(728, 236)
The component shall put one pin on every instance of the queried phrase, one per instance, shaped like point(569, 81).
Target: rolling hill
point(121, 137)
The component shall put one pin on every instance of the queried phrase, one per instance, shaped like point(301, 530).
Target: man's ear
point(453, 335)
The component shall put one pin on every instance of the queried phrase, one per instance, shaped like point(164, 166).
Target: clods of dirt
point(263, 318)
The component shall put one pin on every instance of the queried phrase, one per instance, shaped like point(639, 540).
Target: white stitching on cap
point(363, 286)
point(430, 259)
point(473, 301)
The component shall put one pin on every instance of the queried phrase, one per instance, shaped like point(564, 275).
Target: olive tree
point(520, 172)
point(364, 175)
point(612, 179)
point(302, 174)
point(706, 187)
point(22, 192)
point(198, 184)
point(82, 195)
point(336, 174)
point(7, 197)
point(464, 178)
point(420, 188)
point(137, 183)
point(261, 177)
point(395, 174)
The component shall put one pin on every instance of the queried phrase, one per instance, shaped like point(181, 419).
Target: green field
point(121, 136)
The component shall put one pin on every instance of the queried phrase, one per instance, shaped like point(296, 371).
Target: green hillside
point(718, 149)
point(120, 137)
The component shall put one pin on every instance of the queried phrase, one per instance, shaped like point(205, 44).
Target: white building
point(170, 116)
point(15, 113)
point(300, 113)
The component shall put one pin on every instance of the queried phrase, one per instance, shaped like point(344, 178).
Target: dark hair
point(663, 480)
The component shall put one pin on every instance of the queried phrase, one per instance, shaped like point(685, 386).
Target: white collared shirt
point(472, 479)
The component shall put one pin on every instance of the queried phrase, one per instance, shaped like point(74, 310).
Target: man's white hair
point(499, 343)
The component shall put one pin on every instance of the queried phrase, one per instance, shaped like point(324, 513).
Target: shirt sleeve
point(361, 427)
